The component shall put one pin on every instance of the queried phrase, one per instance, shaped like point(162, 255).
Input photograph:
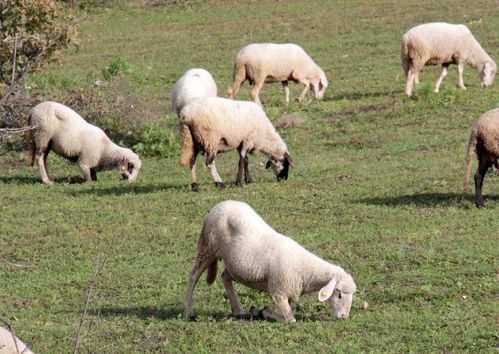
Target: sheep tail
point(212, 272)
point(469, 156)
point(406, 62)
point(186, 145)
point(31, 143)
point(238, 77)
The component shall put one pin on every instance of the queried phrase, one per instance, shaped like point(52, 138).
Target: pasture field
point(377, 188)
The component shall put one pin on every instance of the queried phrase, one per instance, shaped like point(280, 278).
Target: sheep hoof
point(239, 183)
point(194, 187)
point(480, 205)
point(219, 185)
point(75, 179)
point(254, 313)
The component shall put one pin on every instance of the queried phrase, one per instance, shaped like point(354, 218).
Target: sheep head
point(280, 166)
point(130, 166)
point(487, 73)
point(322, 86)
point(339, 293)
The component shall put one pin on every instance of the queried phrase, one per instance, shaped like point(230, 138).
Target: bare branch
point(79, 336)
point(16, 265)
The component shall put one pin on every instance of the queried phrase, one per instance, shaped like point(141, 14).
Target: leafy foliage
point(30, 32)
point(156, 141)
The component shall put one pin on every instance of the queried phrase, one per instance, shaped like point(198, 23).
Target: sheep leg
point(460, 69)
point(42, 164)
point(285, 313)
point(286, 91)
point(210, 162)
point(240, 169)
point(412, 76)
point(247, 177)
point(93, 174)
point(196, 272)
point(85, 170)
point(304, 92)
point(194, 179)
point(441, 78)
point(256, 90)
point(483, 166)
point(416, 78)
point(235, 305)
point(243, 166)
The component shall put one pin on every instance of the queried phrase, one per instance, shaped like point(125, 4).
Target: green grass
point(376, 188)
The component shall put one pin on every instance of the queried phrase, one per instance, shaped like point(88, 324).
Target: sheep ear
point(269, 163)
point(289, 159)
point(123, 165)
point(326, 292)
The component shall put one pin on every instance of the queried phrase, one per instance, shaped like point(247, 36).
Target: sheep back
point(69, 133)
point(439, 43)
point(220, 124)
point(276, 62)
point(486, 129)
point(256, 255)
point(195, 83)
point(8, 346)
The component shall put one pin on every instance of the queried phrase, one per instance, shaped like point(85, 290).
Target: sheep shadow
point(355, 96)
point(177, 312)
point(130, 189)
point(427, 200)
point(142, 312)
point(161, 313)
point(29, 180)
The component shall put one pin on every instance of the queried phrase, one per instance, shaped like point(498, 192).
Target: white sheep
point(257, 256)
point(484, 140)
point(11, 344)
point(59, 128)
point(269, 62)
point(443, 44)
point(215, 124)
point(195, 83)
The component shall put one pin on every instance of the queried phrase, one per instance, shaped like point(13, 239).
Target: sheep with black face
point(215, 125)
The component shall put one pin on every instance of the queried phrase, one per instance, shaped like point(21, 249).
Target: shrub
point(156, 141)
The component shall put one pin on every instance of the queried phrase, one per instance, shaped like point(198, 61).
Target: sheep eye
point(339, 295)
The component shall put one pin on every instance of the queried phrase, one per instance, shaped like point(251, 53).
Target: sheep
point(484, 140)
point(195, 83)
point(215, 124)
point(270, 62)
point(59, 128)
point(443, 43)
point(257, 256)
point(11, 344)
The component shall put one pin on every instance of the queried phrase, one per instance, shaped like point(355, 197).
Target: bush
point(116, 67)
point(156, 141)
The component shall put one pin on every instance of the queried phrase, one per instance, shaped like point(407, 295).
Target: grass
point(376, 188)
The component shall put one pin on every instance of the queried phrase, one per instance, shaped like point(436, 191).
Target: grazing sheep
point(484, 140)
point(61, 129)
point(10, 344)
point(195, 83)
point(269, 62)
point(257, 256)
point(215, 124)
point(443, 43)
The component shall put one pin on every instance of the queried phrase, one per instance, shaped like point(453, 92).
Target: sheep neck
point(112, 155)
point(317, 273)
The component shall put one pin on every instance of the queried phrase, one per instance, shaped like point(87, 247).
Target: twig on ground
point(15, 265)
point(79, 336)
